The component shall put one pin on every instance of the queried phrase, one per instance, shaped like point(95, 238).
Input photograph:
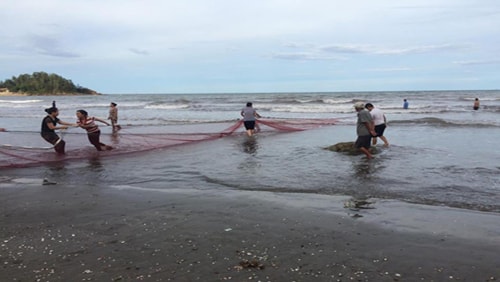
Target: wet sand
point(66, 233)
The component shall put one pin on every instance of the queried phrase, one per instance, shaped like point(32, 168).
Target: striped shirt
point(89, 124)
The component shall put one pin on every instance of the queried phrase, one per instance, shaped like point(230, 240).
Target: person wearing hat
point(364, 129)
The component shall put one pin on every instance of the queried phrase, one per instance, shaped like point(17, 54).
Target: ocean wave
point(20, 101)
point(167, 107)
point(433, 121)
point(338, 101)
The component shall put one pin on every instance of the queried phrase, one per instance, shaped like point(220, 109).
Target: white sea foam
point(20, 101)
point(166, 107)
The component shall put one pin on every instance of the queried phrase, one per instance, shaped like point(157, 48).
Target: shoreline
point(61, 232)
point(8, 94)
point(12, 94)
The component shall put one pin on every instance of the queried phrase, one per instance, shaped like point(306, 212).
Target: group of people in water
point(475, 106)
point(51, 122)
point(371, 124)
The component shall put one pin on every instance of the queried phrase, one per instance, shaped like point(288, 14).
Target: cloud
point(381, 50)
point(359, 38)
point(312, 52)
point(305, 56)
point(477, 62)
point(138, 51)
point(49, 46)
point(419, 49)
point(389, 69)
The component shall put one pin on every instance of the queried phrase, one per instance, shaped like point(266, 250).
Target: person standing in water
point(380, 123)
point(405, 104)
point(476, 104)
point(49, 125)
point(113, 116)
point(93, 131)
point(364, 129)
point(249, 115)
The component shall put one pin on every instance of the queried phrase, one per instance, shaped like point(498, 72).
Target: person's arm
point(51, 126)
point(100, 120)
point(371, 127)
point(67, 123)
point(256, 114)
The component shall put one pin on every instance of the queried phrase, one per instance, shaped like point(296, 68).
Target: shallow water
point(436, 157)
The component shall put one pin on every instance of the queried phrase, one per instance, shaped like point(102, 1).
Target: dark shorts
point(379, 129)
point(54, 139)
point(249, 124)
point(363, 141)
point(476, 108)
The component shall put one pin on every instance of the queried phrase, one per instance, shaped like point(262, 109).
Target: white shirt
point(377, 116)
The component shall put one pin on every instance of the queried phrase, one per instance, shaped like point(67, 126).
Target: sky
point(242, 46)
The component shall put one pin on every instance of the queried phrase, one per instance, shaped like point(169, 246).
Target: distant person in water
point(2, 129)
point(93, 131)
point(113, 116)
point(476, 104)
point(49, 125)
point(364, 129)
point(380, 123)
point(405, 104)
point(250, 116)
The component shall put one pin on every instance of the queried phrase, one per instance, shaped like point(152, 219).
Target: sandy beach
point(8, 94)
point(88, 233)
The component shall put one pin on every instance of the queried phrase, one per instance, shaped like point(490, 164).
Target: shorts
point(363, 141)
point(249, 124)
point(55, 140)
point(379, 129)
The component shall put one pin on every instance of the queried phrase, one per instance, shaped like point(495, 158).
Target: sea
point(442, 152)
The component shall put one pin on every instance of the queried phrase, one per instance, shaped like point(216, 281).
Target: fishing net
point(23, 148)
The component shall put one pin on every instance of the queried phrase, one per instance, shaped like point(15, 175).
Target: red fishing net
point(28, 148)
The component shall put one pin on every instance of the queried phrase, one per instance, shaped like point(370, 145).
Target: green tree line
point(42, 83)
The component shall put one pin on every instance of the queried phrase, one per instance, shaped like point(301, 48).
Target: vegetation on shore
point(42, 83)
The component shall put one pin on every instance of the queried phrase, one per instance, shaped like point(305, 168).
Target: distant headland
point(42, 83)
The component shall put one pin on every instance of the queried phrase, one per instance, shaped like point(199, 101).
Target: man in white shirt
point(380, 123)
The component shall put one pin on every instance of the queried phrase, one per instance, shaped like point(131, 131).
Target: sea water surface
point(442, 152)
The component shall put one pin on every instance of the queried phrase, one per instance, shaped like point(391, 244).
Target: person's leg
point(59, 147)
point(363, 144)
point(386, 143)
point(366, 152)
point(374, 140)
point(94, 140)
point(54, 139)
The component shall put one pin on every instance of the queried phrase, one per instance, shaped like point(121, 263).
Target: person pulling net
point(49, 126)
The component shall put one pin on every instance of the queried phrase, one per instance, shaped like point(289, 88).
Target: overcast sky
point(206, 46)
